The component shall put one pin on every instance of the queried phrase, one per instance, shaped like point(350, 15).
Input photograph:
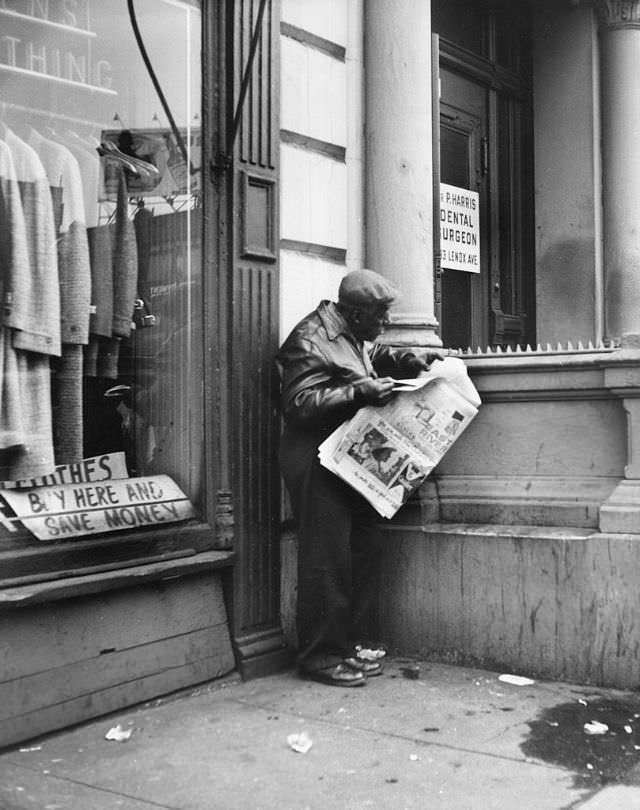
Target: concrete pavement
point(450, 739)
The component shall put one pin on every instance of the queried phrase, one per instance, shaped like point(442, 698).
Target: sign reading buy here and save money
point(104, 503)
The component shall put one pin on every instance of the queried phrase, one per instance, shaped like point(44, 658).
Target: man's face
point(369, 322)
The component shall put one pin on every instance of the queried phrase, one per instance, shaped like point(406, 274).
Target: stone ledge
point(567, 500)
point(506, 531)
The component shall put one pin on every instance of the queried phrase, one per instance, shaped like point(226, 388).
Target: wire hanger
point(109, 150)
point(138, 167)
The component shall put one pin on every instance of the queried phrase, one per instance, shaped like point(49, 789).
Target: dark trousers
point(338, 555)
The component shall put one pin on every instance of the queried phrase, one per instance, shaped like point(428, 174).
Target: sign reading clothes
point(459, 229)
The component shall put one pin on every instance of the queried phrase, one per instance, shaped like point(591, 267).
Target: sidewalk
point(449, 739)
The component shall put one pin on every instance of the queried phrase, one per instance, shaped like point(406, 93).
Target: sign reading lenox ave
point(72, 510)
point(459, 229)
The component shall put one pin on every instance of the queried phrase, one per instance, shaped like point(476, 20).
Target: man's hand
point(370, 391)
point(417, 365)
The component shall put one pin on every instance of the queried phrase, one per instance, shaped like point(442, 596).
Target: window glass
point(494, 29)
point(101, 338)
point(512, 36)
point(461, 22)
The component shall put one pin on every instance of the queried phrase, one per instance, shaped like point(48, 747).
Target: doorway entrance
point(463, 136)
point(484, 149)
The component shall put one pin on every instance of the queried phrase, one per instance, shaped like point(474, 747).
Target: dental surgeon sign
point(459, 229)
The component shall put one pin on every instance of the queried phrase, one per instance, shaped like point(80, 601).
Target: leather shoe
point(337, 675)
point(368, 668)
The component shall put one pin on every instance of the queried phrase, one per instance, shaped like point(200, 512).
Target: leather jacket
point(321, 363)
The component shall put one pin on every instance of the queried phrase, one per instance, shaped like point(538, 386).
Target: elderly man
point(330, 368)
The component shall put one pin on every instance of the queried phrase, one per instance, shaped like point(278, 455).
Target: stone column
point(620, 55)
point(620, 513)
point(399, 170)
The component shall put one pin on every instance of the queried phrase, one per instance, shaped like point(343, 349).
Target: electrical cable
point(154, 79)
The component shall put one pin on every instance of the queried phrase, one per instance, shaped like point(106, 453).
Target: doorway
point(463, 135)
point(484, 150)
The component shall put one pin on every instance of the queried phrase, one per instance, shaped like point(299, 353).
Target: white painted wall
point(313, 93)
point(320, 196)
point(313, 206)
point(324, 18)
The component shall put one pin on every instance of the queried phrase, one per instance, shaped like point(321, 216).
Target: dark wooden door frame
point(243, 303)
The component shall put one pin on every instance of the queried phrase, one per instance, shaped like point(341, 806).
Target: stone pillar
point(399, 166)
point(620, 55)
point(620, 513)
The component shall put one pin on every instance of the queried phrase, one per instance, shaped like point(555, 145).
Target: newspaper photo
point(385, 453)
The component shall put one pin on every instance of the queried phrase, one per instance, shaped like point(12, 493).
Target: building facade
point(519, 551)
point(179, 188)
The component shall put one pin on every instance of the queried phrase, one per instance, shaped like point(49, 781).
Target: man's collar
point(334, 321)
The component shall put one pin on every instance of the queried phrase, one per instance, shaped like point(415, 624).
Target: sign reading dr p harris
point(459, 229)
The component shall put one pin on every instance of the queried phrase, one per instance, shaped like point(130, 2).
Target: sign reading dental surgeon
point(73, 510)
point(459, 229)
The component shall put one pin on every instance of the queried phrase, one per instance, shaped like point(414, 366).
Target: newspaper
point(385, 453)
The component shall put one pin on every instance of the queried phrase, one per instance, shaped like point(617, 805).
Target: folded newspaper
point(385, 453)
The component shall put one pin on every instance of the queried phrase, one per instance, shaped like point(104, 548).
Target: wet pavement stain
point(558, 737)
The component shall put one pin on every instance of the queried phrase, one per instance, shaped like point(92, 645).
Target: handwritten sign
point(73, 510)
point(95, 468)
point(459, 228)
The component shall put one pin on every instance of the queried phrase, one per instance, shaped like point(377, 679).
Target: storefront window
point(102, 330)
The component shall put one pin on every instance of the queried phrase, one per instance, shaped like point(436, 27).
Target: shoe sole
point(329, 680)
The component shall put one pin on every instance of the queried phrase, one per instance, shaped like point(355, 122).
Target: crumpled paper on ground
point(300, 743)
point(516, 680)
point(118, 733)
point(595, 727)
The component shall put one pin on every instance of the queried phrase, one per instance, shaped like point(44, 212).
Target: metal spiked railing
point(579, 347)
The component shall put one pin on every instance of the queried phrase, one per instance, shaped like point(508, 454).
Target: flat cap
point(364, 287)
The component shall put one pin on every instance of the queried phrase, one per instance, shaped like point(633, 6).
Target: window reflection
point(103, 352)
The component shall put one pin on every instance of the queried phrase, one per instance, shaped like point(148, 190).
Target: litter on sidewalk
point(595, 727)
point(118, 733)
point(300, 743)
point(516, 680)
